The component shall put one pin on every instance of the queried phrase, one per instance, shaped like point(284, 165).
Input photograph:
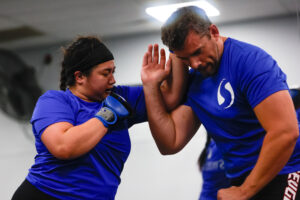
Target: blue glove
point(115, 108)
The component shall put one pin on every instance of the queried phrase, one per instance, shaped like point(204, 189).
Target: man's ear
point(214, 31)
point(79, 77)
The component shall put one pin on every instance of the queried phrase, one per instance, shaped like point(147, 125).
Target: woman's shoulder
point(54, 93)
point(128, 90)
point(59, 95)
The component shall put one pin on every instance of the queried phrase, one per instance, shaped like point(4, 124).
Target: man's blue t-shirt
point(213, 173)
point(95, 175)
point(224, 104)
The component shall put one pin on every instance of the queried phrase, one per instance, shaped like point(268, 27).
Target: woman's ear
point(79, 77)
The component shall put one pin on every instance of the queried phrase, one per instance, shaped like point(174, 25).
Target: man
point(239, 93)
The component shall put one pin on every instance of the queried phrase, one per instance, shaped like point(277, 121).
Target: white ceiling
point(61, 20)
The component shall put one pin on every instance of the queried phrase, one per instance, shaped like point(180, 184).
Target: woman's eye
point(105, 74)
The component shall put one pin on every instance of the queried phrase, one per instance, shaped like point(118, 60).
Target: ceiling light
point(161, 13)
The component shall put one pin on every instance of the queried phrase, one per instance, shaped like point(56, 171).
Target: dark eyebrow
point(110, 69)
point(196, 52)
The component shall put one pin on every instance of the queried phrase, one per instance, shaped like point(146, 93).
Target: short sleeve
point(51, 108)
point(260, 76)
point(134, 95)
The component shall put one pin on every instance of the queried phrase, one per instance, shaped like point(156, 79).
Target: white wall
point(147, 174)
point(279, 37)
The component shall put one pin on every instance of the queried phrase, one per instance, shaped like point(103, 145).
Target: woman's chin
point(105, 94)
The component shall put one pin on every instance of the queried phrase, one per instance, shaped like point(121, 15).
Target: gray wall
point(147, 174)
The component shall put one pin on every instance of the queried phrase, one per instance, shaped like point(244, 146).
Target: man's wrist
point(248, 190)
point(151, 86)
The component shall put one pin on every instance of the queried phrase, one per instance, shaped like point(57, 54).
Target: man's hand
point(232, 193)
point(155, 70)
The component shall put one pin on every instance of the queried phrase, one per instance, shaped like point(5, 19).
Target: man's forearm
point(162, 101)
point(275, 152)
point(174, 87)
point(160, 121)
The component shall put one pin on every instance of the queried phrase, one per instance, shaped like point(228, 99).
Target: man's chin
point(211, 71)
point(206, 74)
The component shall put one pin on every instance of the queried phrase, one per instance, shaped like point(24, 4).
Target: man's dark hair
point(178, 25)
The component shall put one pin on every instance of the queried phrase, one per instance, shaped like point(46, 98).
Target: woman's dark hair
point(82, 55)
point(203, 155)
point(178, 25)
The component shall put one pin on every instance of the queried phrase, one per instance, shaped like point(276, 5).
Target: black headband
point(99, 55)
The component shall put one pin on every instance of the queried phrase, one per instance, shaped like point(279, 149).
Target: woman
point(80, 152)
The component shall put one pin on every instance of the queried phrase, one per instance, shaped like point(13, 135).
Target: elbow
point(171, 103)
point(172, 100)
point(168, 147)
point(168, 151)
point(292, 136)
point(295, 135)
point(62, 152)
point(165, 153)
point(291, 141)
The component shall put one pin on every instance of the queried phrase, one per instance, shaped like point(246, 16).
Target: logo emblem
point(225, 99)
point(209, 154)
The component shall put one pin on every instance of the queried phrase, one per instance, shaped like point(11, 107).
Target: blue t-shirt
point(224, 104)
point(213, 173)
point(95, 175)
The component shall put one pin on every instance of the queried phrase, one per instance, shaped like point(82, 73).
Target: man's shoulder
point(241, 46)
point(241, 53)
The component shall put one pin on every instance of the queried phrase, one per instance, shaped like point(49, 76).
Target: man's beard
point(211, 66)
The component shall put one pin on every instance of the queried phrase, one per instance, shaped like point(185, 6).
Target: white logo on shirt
point(221, 99)
point(209, 154)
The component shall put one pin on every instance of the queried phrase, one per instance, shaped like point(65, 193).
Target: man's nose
point(195, 62)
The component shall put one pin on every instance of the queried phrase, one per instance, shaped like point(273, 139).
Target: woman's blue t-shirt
point(95, 175)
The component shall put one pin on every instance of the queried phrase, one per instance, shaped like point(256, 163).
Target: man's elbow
point(295, 134)
point(168, 151)
point(171, 103)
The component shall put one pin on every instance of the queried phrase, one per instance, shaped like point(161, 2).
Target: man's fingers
point(155, 54)
point(150, 47)
point(162, 58)
point(145, 59)
point(152, 57)
point(168, 66)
